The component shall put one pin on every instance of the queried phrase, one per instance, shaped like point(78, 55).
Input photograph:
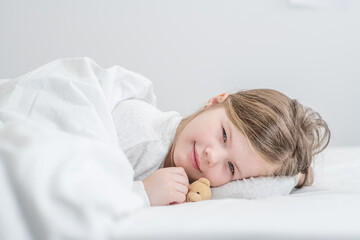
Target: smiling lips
point(194, 157)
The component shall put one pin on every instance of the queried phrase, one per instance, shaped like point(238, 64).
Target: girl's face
point(211, 146)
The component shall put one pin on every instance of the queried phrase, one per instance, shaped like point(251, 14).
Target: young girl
point(236, 136)
point(79, 144)
point(250, 133)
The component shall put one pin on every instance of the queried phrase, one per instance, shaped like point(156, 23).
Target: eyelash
point(224, 135)
point(232, 169)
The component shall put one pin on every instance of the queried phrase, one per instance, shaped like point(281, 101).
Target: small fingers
point(178, 170)
point(178, 198)
point(184, 181)
point(180, 175)
point(180, 188)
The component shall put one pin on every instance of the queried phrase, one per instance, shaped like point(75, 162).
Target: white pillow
point(255, 188)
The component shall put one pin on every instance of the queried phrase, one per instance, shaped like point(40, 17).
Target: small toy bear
point(199, 190)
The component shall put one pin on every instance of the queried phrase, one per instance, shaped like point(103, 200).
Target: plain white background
point(194, 49)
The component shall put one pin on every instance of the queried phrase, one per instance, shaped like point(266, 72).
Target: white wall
point(192, 50)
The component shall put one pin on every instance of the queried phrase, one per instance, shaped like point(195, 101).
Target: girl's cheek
point(216, 177)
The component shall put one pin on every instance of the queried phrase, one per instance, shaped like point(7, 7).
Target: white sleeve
point(139, 189)
point(255, 188)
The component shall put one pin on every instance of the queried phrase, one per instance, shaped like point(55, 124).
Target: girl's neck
point(168, 162)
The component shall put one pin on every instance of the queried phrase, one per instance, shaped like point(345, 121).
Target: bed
point(63, 176)
point(327, 210)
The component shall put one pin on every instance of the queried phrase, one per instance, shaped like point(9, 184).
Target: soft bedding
point(329, 209)
point(63, 176)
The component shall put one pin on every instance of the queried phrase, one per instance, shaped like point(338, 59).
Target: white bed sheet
point(329, 209)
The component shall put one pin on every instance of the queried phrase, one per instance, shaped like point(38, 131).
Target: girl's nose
point(212, 157)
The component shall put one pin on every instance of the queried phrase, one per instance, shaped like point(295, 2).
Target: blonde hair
point(278, 128)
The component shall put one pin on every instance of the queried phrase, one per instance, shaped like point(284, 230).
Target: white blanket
point(62, 174)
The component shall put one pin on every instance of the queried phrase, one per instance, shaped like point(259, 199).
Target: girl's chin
point(192, 178)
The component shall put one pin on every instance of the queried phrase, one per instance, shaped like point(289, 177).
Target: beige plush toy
point(199, 190)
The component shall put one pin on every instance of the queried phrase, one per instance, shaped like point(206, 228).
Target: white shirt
point(145, 134)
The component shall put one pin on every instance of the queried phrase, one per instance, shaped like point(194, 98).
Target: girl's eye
point(224, 135)
point(232, 169)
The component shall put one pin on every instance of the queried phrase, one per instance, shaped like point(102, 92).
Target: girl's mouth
point(194, 157)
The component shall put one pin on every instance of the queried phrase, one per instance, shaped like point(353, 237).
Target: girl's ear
point(217, 99)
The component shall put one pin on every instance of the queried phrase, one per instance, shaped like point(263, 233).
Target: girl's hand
point(167, 186)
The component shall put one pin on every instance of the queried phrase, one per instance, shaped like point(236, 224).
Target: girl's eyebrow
point(228, 126)
point(230, 135)
point(231, 147)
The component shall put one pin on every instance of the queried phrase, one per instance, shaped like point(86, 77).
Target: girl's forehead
point(217, 110)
